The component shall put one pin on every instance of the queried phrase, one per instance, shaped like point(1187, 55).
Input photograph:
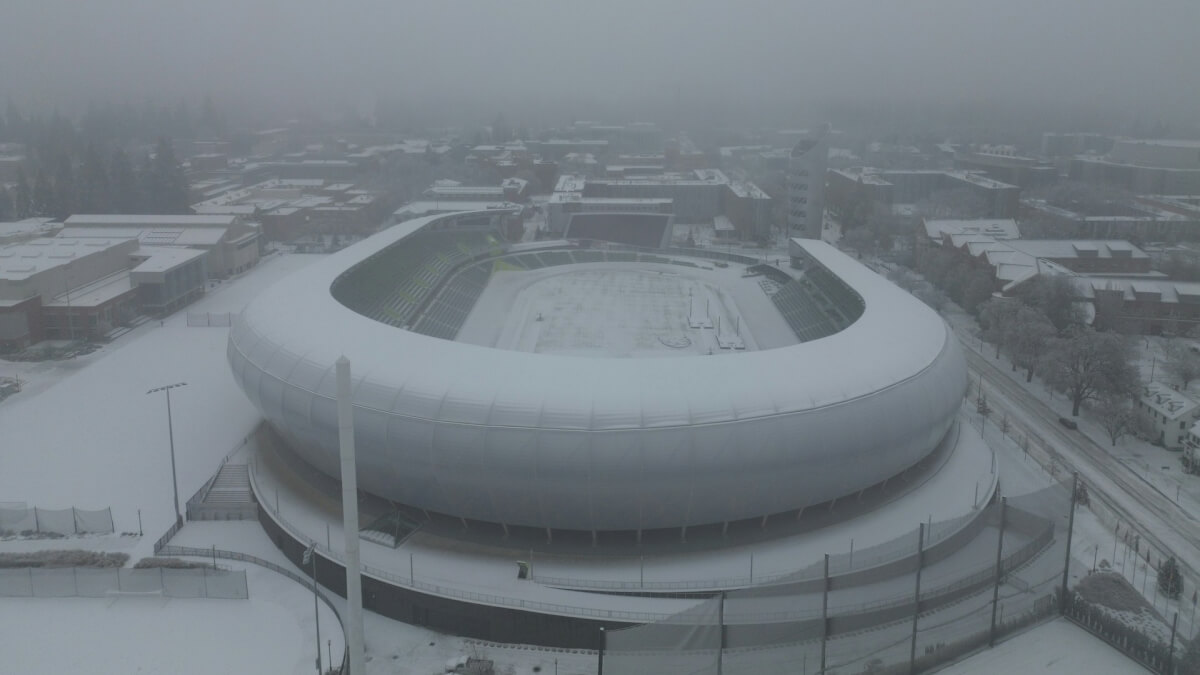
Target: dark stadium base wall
point(446, 615)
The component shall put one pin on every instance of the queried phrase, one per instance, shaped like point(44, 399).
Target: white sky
point(640, 56)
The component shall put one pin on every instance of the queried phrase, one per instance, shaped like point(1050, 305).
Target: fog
point(769, 61)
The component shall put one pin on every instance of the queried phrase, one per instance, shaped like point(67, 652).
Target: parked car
point(1068, 422)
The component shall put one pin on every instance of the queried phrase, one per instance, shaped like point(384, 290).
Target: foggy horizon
point(1074, 62)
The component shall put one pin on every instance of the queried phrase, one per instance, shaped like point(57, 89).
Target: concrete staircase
point(226, 497)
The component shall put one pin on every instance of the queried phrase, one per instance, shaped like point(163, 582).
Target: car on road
point(1068, 422)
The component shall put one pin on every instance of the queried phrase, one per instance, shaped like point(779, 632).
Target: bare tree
point(1030, 337)
point(1057, 297)
point(996, 317)
point(1116, 415)
point(1182, 362)
point(1086, 365)
point(931, 296)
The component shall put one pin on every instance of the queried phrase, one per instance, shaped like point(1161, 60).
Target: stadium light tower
point(171, 438)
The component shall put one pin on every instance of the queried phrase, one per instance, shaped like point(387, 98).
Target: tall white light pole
point(171, 438)
point(345, 414)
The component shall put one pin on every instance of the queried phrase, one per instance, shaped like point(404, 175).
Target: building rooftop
point(18, 262)
point(151, 236)
point(999, 229)
point(1166, 401)
point(89, 220)
point(163, 258)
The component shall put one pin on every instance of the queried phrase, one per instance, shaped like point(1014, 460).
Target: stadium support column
point(1062, 599)
point(999, 571)
point(354, 624)
point(825, 612)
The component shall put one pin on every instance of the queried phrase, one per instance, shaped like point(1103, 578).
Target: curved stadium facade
point(870, 387)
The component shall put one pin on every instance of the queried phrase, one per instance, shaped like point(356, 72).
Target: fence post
point(1171, 647)
point(912, 650)
point(720, 632)
point(825, 613)
point(600, 654)
point(1062, 601)
point(999, 570)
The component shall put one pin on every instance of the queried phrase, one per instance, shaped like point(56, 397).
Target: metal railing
point(192, 551)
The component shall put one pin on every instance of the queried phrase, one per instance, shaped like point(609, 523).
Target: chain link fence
point(91, 582)
point(927, 611)
point(209, 319)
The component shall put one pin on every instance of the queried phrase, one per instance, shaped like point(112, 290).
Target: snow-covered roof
point(1168, 402)
point(302, 316)
point(150, 235)
point(1077, 248)
point(1003, 228)
point(810, 421)
point(127, 220)
point(163, 258)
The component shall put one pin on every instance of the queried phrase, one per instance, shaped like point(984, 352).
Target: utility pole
point(171, 438)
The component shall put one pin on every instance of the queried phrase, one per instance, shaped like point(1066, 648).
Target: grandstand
point(392, 285)
point(817, 304)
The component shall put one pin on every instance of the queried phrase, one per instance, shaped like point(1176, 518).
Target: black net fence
point(91, 582)
point(922, 599)
point(33, 520)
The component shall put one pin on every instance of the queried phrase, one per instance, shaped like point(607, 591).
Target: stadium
point(714, 416)
point(641, 421)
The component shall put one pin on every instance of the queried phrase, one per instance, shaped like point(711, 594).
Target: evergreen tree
point(22, 196)
point(168, 184)
point(43, 196)
point(123, 184)
point(94, 194)
point(6, 204)
point(1170, 580)
point(65, 188)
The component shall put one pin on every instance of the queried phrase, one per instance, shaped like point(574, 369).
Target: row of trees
point(97, 182)
point(108, 123)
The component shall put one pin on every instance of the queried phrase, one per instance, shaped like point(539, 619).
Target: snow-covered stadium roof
point(432, 413)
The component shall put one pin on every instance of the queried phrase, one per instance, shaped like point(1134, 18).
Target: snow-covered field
point(1058, 647)
point(619, 313)
point(84, 433)
point(625, 310)
point(149, 635)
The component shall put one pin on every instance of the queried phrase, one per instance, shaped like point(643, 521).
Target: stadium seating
point(391, 285)
point(817, 304)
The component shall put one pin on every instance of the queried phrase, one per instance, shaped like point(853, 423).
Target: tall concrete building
point(806, 186)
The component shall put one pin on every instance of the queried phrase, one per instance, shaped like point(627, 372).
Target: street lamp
point(171, 437)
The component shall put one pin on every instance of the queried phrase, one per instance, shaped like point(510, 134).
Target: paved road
point(1158, 519)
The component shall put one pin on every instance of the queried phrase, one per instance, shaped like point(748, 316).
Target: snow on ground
point(124, 634)
point(84, 433)
point(1053, 648)
point(624, 310)
point(618, 313)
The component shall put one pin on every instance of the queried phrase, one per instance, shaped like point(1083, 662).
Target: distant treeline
point(115, 159)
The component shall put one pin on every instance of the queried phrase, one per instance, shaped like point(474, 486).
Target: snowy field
point(84, 433)
point(149, 635)
point(1058, 647)
point(625, 310)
